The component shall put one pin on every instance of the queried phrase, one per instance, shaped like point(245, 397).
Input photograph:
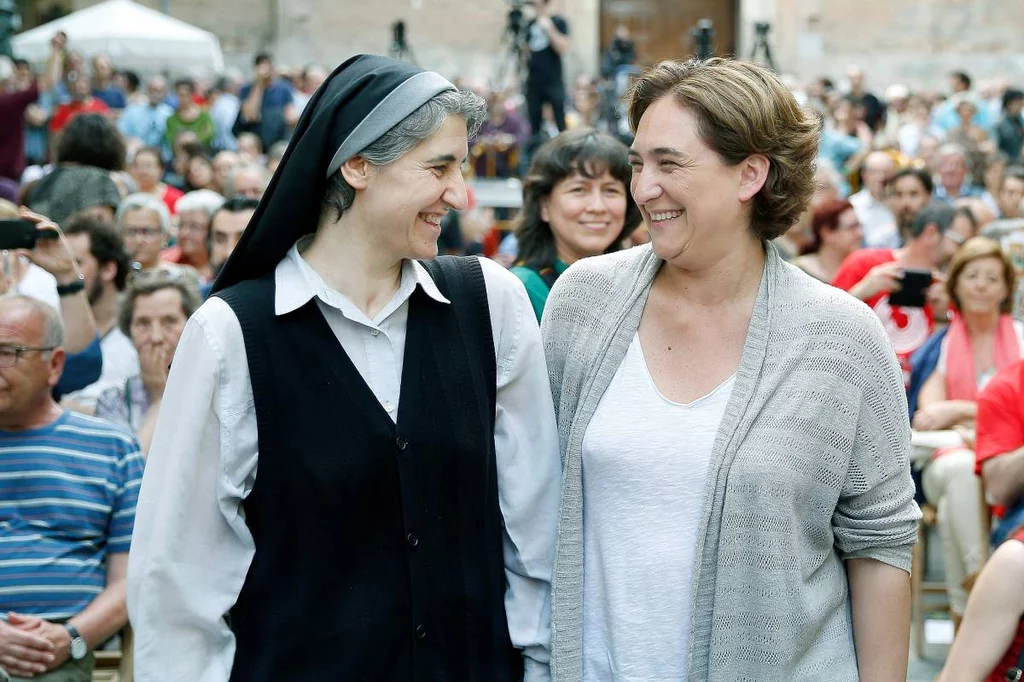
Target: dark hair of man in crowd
point(185, 83)
point(262, 57)
point(1013, 172)
point(937, 213)
point(232, 205)
point(21, 63)
point(236, 205)
point(922, 175)
point(91, 140)
point(964, 79)
point(967, 213)
point(1012, 95)
point(132, 80)
point(584, 151)
point(105, 245)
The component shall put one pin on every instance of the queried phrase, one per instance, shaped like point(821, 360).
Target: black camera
point(703, 38)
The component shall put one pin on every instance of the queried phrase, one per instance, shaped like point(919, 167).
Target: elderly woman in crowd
point(576, 204)
point(981, 339)
point(145, 224)
point(837, 234)
point(195, 210)
point(736, 498)
point(402, 521)
point(155, 308)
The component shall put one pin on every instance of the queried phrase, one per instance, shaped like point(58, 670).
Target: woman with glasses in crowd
point(981, 339)
point(576, 204)
point(145, 224)
point(736, 497)
point(195, 213)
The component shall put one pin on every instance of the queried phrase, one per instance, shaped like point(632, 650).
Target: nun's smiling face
point(406, 200)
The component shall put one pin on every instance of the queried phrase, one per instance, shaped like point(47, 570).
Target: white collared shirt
point(878, 221)
point(192, 549)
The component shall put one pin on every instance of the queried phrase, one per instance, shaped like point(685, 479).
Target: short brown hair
point(182, 279)
point(742, 109)
point(974, 249)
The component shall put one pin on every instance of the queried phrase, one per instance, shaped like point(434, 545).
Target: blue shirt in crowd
point(67, 501)
point(113, 97)
point(146, 122)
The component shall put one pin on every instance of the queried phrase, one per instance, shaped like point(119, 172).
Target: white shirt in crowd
point(40, 285)
point(120, 363)
point(645, 462)
point(879, 223)
point(191, 548)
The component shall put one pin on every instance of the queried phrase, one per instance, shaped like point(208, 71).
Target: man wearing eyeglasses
point(68, 488)
point(929, 243)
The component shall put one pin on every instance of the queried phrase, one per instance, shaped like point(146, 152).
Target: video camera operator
point(547, 36)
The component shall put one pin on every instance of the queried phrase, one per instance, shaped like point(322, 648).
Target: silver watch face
point(78, 648)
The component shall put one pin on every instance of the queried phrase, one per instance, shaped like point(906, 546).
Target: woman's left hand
point(935, 417)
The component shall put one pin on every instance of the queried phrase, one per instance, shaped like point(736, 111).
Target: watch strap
point(79, 649)
point(71, 287)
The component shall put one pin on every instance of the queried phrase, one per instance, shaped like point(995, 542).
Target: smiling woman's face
point(586, 214)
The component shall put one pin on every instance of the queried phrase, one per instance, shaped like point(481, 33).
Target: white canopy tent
point(134, 37)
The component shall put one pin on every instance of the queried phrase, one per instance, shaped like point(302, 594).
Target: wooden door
point(663, 29)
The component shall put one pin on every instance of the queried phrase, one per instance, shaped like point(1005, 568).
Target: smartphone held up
point(18, 233)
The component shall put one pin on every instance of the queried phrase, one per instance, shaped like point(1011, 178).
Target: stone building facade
point(911, 41)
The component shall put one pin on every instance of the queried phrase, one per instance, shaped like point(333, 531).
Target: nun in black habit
point(397, 409)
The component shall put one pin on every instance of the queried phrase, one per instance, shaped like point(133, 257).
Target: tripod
point(400, 48)
point(761, 44)
point(510, 61)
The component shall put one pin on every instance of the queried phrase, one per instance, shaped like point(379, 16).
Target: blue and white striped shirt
point(67, 500)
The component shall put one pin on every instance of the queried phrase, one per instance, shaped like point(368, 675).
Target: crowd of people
point(160, 198)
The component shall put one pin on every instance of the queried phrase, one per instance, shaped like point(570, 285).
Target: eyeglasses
point(143, 232)
point(10, 355)
point(196, 228)
point(955, 237)
point(165, 274)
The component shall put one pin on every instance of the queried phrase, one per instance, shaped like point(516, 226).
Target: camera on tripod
point(515, 22)
point(703, 38)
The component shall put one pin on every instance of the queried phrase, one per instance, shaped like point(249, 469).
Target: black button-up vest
point(378, 545)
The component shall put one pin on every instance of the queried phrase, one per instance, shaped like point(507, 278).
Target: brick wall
point(910, 41)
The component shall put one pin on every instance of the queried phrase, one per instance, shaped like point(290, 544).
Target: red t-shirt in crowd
point(170, 198)
point(65, 112)
point(12, 130)
point(1012, 655)
point(1000, 420)
point(908, 328)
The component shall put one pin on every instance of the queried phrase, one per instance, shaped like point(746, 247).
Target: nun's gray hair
point(413, 129)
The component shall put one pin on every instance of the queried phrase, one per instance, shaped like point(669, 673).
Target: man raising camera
point(547, 37)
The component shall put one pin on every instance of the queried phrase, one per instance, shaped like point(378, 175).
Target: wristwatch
point(78, 646)
point(72, 287)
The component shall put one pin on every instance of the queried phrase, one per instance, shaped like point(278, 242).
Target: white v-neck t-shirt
point(645, 463)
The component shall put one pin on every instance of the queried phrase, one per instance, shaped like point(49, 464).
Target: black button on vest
point(378, 545)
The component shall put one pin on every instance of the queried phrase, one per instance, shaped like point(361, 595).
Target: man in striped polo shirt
point(68, 487)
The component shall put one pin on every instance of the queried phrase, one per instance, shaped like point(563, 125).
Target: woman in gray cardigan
point(736, 498)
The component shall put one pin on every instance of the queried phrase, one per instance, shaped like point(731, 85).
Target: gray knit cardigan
point(810, 467)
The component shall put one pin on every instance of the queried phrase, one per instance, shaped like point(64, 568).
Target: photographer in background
point(547, 37)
